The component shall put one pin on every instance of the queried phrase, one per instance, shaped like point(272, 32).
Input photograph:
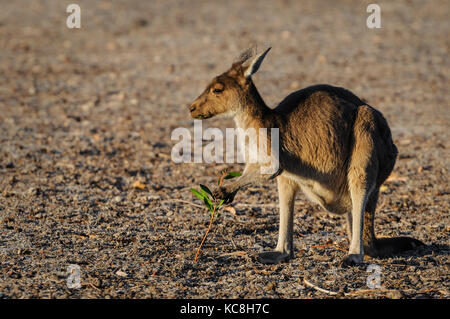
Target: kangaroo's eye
point(218, 88)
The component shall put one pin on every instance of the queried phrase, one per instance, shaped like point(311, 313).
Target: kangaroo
point(334, 147)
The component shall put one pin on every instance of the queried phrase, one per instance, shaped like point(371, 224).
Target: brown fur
point(334, 147)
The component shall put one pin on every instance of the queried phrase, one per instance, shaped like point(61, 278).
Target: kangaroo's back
point(317, 128)
point(297, 99)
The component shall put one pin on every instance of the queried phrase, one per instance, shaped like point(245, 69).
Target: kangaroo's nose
point(192, 108)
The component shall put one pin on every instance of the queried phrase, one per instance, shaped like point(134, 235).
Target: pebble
point(121, 273)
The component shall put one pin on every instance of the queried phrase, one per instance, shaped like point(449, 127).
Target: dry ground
point(87, 113)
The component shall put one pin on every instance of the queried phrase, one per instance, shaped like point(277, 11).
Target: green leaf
point(206, 198)
point(220, 204)
point(206, 189)
point(231, 175)
point(208, 204)
point(197, 194)
point(204, 193)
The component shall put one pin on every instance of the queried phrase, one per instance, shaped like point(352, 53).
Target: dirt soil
point(86, 175)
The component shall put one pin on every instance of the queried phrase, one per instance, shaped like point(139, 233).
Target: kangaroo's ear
point(246, 55)
point(254, 64)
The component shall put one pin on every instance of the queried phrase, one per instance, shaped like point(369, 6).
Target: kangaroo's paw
point(352, 260)
point(225, 194)
point(273, 257)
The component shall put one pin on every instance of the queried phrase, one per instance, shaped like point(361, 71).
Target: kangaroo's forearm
point(252, 175)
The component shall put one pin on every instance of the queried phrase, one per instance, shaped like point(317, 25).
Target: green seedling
point(212, 204)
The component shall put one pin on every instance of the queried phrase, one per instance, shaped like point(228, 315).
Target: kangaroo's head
point(229, 92)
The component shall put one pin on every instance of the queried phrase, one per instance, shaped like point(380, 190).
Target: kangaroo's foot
point(352, 260)
point(273, 257)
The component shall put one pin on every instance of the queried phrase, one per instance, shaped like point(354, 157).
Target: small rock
point(420, 169)
point(413, 279)
point(117, 199)
point(95, 282)
point(322, 59)
point(404, 142)
point(171, 69)
point(294, 85)
point(141, 22)
point(32, 191)
point(285, 34)
point(321, 258)
point(121, 273)
point(111, 46)
point(396, 294)
point(271, 286)
point(15, 275)
point(139, 185)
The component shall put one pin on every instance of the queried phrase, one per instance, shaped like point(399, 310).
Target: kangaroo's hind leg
point(369, 238)
point(360, 196)
point(284, 251)
point(361, 178)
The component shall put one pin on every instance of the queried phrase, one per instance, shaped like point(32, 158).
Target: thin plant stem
point(207, 232)
point(197, 255)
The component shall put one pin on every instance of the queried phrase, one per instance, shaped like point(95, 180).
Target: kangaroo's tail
point(386, 153)
point(386, 247)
